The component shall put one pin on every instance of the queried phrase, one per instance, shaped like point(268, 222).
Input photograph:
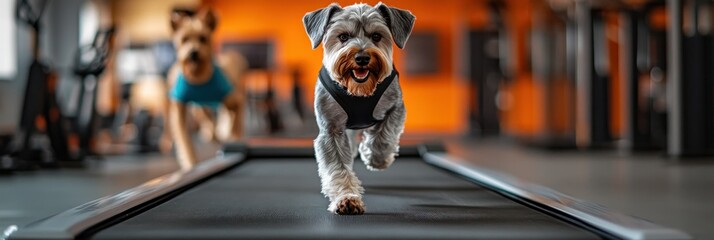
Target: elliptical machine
point(39, 104)
point(40, 110)
point(89, 63)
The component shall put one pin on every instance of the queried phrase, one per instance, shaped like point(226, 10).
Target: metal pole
point(674, 81)
point(627, 53)
point(583, 73)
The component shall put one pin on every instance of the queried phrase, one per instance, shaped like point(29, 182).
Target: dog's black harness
point(359, 110)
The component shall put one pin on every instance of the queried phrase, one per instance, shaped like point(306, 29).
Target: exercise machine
point(553, 48)
point(41, 112)
point(593, 73)
point(690, 117)
point(484, 74)
point(644, 58)
point(272, 191)
point(89, 64)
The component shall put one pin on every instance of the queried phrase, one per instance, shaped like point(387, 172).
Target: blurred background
point(568, 74)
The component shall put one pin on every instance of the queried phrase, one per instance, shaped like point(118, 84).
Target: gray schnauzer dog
point(357, 95)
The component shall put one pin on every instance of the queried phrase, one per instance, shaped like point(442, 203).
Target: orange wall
point(435, 103)
point(141, 21)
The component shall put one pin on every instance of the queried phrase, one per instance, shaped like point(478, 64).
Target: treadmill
point(272, 191)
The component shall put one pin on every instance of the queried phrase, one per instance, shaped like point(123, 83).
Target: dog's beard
point(196, 70)
point(348, 71)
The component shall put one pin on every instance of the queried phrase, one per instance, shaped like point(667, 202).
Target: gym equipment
point(592, 78)
point(298, 102)
point(262, 101)
point(273, 117)
point(691, 117)
point(41, 111)
point(142, 71)
point(484, 74)
point(5, 140)
point(644, 57)
point(39, 104)
point(89, 63)
point(553, 50)
point(600, 134)
point(272, 192)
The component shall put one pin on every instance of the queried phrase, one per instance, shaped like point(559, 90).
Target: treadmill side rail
point(617, 224)
point(70, 223)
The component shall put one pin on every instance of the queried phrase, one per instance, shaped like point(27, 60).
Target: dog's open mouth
point(360, 75)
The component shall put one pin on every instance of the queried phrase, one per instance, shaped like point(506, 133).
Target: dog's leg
point(233, 108)
point(380, 143)
point(229, 127)
point(223, 126)
point(353, 136)
point(165, 142)
point(184, 145)
point(339, 183)
point(235, 66)
point(205, 117)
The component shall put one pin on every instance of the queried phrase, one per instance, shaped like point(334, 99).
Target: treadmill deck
point(280, 198)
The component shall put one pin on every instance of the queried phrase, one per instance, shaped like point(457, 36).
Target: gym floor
point(38, 194)
point(649, 186)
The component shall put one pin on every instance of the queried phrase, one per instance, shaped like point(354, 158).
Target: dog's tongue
point(360, 73)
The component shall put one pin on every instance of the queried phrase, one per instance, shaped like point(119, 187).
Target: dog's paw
point(377, 164)
point(348, 206)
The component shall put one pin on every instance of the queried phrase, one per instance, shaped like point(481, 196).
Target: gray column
point(674, 78)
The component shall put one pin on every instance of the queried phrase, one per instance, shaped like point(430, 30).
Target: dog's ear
point(400, 22)
point(177, 18)
point(209, 17)
point(316, 23)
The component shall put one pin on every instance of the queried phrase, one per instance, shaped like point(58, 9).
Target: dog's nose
point(362, 58)
point(193, 56)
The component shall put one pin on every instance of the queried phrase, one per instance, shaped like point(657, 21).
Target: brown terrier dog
point(197, 79)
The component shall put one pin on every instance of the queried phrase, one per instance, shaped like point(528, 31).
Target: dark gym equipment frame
point(689, 92)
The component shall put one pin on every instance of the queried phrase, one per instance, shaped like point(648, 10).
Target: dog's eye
point(376, 37)
point(343, 37)
point(203, 39)
point(184, 39)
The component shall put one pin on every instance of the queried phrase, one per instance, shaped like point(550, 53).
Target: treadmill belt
point(280, 198)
